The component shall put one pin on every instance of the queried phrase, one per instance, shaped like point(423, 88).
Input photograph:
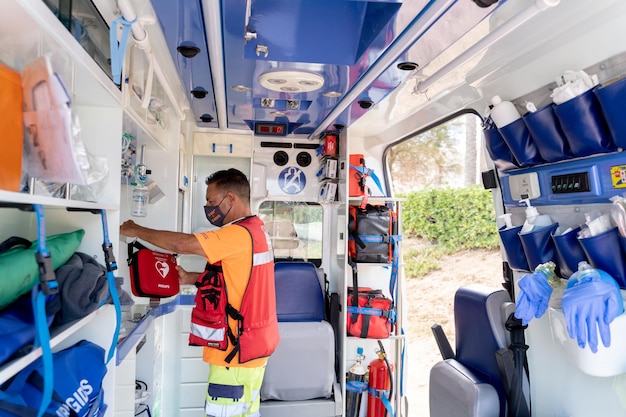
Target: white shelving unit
point(377, 276)
point(28, 30)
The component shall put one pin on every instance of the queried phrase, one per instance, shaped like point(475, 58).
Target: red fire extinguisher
point(380, 386)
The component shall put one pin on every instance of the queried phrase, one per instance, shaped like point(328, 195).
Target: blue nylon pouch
point(539, 246)
point(517, 137)
point(605, 252)
point(584, 126)
point(513, 248)
point(17, 326)
point(569, 252)
point(499, 151)
point(547, 134)
point(612, 98)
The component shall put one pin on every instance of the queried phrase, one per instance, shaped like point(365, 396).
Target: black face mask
point(215, 215)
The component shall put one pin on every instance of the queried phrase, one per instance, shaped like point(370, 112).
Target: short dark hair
point(231, 180)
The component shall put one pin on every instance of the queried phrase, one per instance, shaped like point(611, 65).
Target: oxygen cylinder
point(380, 385)
point(355, 385)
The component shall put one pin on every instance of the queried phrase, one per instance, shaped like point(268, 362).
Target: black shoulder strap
point(513, 366)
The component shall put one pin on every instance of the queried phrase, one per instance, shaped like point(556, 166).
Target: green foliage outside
point(451, 220)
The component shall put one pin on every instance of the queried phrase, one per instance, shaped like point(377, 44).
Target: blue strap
point(377, 312)
point(118, 51)
point(382, 395)
point(47, 285)
point(356, 386)
point(368, 172)
point(111, 265)
point(393, 288)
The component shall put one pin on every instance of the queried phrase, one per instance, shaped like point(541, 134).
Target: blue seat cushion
point(299, 295)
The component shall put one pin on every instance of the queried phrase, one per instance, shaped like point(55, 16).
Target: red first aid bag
point(152, 274)
point(372, 316)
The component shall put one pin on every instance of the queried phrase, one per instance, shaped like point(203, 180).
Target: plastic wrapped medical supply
point(572, 84)
point(591, 301)
point(618, 213)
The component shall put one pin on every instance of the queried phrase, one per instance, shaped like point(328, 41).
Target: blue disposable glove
point(533, 298)
point(590, 304)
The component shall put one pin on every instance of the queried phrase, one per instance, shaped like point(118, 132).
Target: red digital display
point(270, 129)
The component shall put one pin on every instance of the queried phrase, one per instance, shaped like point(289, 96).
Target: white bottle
point(534, 220)
point(139, 207)
point(506, 218)
point(503, 112)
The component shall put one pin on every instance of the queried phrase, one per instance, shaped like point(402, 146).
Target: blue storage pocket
point(568, 252)
point(499, 151)
point(517, 137)
point(612, 100)
point(584, 126)
point(513, 247)
point(547, 134)
point(539, 246)
point(605, 252)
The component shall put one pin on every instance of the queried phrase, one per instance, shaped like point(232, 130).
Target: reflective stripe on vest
point(208, 333)
point(262, 258)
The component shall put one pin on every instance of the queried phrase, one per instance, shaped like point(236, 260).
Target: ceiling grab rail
point(430, 14)
point(140, 36)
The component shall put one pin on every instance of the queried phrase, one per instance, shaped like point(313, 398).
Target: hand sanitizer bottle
point(534, 220)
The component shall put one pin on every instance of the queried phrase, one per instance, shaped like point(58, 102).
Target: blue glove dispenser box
point(569, 252)
point(612, 98)
point(605, 251)
point(584, 126)
point(498, 150)
point(539, 246)
point(517, 137)
point(513, 247)
point(547, 134)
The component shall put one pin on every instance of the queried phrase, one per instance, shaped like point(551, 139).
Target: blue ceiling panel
point(318, 51)
point(315, 31)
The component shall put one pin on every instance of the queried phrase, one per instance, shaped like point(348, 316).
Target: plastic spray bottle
point(355, 385)
point(534, 220)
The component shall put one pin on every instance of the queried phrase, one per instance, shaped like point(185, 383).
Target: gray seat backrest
point(466, 384)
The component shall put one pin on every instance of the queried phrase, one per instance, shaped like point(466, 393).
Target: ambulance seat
point(469, 383)
point(300, 376)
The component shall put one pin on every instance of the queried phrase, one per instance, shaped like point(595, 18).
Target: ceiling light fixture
point(241, 88)
point(331, 94)
point(291, 81)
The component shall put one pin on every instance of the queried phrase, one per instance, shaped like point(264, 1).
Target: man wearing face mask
point(235, 313)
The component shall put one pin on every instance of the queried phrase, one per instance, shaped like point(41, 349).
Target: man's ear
point(231, 197)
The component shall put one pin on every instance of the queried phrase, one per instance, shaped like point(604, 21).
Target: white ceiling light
point(291, 81)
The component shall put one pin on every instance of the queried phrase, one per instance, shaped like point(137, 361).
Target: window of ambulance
point(295, 229)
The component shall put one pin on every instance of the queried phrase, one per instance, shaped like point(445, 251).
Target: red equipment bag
point(356, 177)
point(152, 274)
point(371, 316)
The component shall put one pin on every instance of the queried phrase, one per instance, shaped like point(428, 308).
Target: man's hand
point(186, 278)
point(129, 228)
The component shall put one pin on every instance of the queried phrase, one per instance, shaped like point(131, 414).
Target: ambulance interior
point(185, 88)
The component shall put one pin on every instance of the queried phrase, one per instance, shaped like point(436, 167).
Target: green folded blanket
point(19, 270)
